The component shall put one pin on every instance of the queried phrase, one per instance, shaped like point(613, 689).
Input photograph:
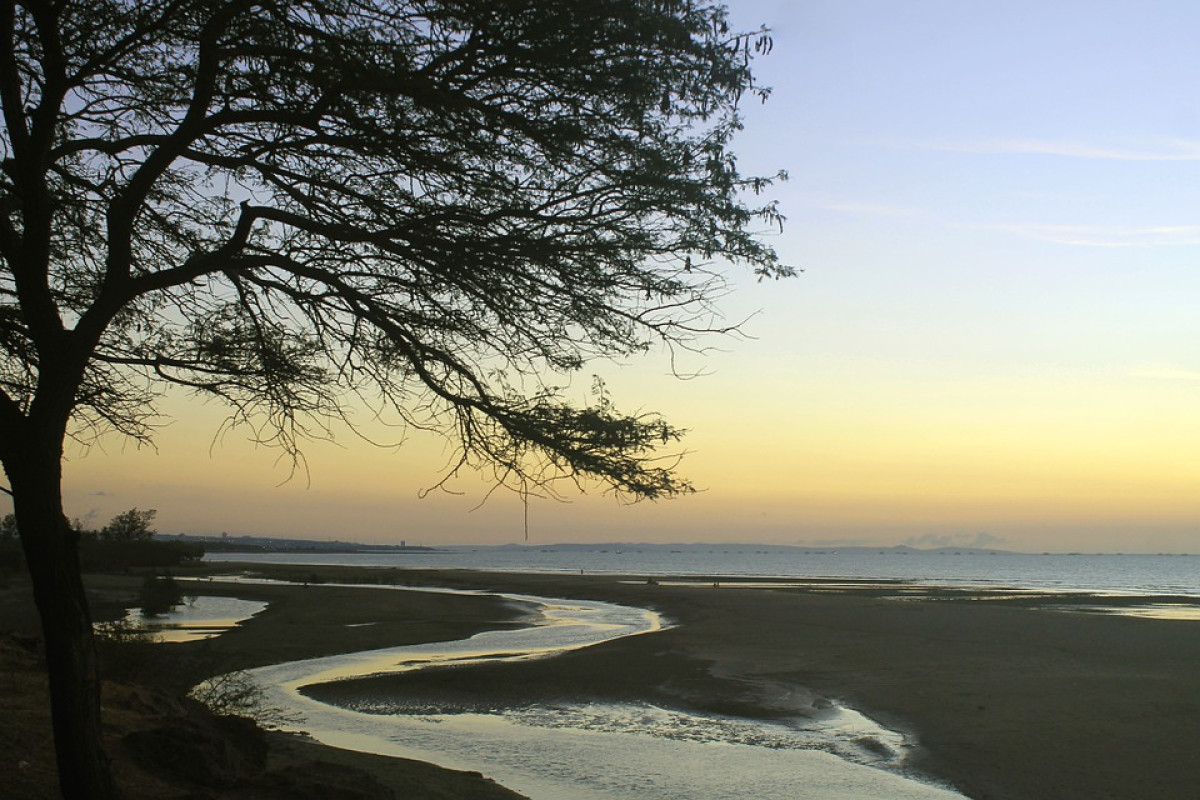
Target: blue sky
point(996, 204)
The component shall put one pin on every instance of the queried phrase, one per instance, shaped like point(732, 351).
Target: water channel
point(599, 751)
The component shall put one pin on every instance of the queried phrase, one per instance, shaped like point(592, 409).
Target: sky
point(995, 339)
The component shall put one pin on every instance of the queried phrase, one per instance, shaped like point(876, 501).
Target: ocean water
point(1177, 575)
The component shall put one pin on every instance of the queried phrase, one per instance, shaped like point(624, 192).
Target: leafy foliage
point(438, 203)
point(130, 526)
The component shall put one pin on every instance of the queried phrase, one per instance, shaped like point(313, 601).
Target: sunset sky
point(996, 338)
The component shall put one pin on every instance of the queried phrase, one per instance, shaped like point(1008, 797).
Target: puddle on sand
point(200, 617)
point(600, 751)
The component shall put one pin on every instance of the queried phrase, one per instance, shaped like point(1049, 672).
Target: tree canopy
point(436, 203)
point(133, 525)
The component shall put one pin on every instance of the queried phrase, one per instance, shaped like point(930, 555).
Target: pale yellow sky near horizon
point(850, 453)
point(995, 337)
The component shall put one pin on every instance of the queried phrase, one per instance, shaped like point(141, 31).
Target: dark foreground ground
point(1010, 697)
point(166, 747)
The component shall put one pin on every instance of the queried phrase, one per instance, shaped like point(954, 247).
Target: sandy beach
point(1008, 698)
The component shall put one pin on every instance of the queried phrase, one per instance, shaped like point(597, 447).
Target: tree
point(8, 528)
point(437, 205)
point(130, 526)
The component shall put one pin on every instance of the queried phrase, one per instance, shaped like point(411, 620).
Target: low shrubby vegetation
point(126, 542)
point(11, 557)
point(237, 694)
point(101, 556)
point(159, 595)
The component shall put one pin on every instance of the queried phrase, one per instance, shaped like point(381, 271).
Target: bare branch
point(12, 99)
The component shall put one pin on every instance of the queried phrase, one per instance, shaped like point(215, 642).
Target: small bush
point(159, 595)
point(123, 631)
point(127, 651)
point(236, 694)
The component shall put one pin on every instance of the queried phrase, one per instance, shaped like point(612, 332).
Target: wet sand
point(1007, 698)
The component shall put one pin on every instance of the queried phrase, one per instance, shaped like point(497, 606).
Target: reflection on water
point(564, 625)
point(199, 618)
point(1175, 611)
point(599, 751)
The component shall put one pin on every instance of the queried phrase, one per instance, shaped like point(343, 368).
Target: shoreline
point(1116, 574)
point(1007, 699)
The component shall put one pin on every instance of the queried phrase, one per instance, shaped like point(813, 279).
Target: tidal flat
point(999, 696)
point(1002, 696)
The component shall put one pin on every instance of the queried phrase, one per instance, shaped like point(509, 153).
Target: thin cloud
point(1167, 372)
point(869, 209)
point(1171, 150)
point(1107, 236)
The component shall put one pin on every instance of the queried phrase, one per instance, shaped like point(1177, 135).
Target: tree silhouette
point(437, 204)
point(133, 525)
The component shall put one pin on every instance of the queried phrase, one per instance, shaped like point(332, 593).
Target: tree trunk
point(52, 554)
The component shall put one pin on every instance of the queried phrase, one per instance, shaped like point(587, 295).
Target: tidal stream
point(598, 751)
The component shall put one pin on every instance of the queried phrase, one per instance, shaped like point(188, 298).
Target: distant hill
point(266, 544)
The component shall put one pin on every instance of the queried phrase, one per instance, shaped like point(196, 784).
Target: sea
point(1123, 574)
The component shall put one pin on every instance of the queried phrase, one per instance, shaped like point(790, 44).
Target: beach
point(1006, 698)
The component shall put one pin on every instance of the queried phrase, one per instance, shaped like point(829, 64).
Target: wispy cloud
point(868, 209)
point(1107, 235)
point(1166, 372)
point(1167, 150)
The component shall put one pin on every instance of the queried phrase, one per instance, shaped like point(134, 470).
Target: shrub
point(159, 595)
point(123, 555)
point(236, 694)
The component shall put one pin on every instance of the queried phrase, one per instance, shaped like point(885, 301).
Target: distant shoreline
point(1164, 576)
point(211, 547)
point(251, 543)
point(267, 544)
